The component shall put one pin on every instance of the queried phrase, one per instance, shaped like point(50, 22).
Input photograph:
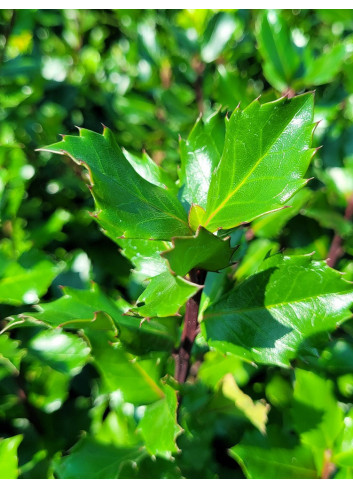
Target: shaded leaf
point(204, 250)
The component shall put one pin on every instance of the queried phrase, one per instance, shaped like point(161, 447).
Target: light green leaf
point(280, 312)
point(324, 68)
point(164, 296)
point(216, 365)
point(204, 250)
point(159, 425)
point(266, 154)
point(254, 256)
point(200, 154)
point(127, 205)
point(343, 454)
point(8, 457)
point(256, 412)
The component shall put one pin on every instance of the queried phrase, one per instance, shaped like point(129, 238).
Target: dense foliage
point(193, 319)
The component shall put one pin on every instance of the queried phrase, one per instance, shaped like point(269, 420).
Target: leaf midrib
point(272, 306)
point(257, 163)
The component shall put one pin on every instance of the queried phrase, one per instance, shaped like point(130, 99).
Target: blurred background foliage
point(148, 75)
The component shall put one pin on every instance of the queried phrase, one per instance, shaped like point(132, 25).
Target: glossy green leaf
point(315, 412)
point(149, 170)
point(8, 457)
point(344, 450)
point(10, 354)
point(281, 55)
point(22, 282)
point(260, 460)
point(89, 459)
point(64, 352)
point(164, 296)
point(257, 251)
point(145, 255)
point(266, 154)
point(200, 154)
point(77, 309)
point(279, 311)
point(137, 379)
point(218, 33)
point(204, 250)
point(159, 425)
point(271, 225)
point(123, 198)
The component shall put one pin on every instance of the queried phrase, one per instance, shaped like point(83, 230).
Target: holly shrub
point(193, 319)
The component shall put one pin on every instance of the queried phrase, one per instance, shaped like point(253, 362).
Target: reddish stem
point(191, 327)
point(336, 250)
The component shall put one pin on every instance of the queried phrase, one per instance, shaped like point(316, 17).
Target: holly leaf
point(266, 153)
point(260, 459)
point(164, 296)
point(204, 250)
point(279, 312)
point(25, 280)
point(159, 427)
point(127, 204)
point(316, 414)
point(149, 170)
point(64, 352)
point(79, 309)
point(10, 354)
point(200, 154)
point(90, 459)
point(145, 255)
point(281, 55)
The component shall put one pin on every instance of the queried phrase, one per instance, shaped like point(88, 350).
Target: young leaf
point(8, 457)
point(127, 204)
point(279, 311)
point(164, 296)
point(266, 153)
point(256, 412)
point(204, 250)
